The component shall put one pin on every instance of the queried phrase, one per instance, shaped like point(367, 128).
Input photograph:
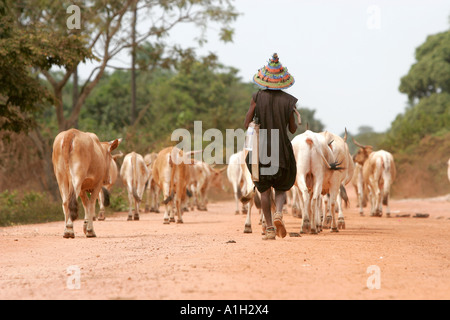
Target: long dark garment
point(274, 109)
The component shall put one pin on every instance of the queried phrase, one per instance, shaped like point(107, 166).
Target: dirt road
point(209, 257)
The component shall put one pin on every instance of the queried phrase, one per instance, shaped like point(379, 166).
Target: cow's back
point(82, 154)
point(161, 166)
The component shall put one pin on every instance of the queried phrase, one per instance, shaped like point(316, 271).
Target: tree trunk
point(75, 93)
point(133, 64)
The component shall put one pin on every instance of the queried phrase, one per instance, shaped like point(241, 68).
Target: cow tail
point(106, 199)
point(134, 180)
point(344, 196)
point(66, 148)
point(386, 178)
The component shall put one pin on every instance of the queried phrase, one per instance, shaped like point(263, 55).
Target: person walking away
point(274, 109)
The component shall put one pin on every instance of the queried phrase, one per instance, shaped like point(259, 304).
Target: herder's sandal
point(279, 224)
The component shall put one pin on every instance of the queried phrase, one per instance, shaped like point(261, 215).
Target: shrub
point(30, 207)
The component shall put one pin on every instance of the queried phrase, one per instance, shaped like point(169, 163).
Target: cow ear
point(114, 144)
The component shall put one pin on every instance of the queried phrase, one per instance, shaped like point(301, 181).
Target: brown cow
point(203, 177)
point(171, 175)
point(113, 173)
point(81, 165)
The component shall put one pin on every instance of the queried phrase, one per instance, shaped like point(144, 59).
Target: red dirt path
point(209, 257)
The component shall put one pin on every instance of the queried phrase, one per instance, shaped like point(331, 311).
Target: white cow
point(358, 184)
point(379, 173)
point(315, 168)
point(250, 196)
point(135, 174)
point(448, 170)
point(153, 191)
point(235, 174)
point(341, 177)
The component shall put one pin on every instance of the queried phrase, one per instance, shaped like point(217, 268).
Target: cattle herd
point(85, 167)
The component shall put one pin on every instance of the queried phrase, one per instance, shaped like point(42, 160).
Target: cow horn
point(345, 135)
point(188, 153)
point(358, 144)
point(117, 155)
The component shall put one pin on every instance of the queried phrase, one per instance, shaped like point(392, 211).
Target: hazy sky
point(347, 57)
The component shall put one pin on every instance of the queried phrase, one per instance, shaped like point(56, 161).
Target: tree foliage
point(427, 86)
point(25, 48)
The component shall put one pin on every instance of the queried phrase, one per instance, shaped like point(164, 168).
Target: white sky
point(347, 57)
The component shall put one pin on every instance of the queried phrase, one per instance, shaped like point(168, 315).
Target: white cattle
point(448, 169)
point(316, 165)
point(250, 196)
point(135, 174)
point(153, 190)
point(358, 184)
point(379, 173)
point(235, 174)
point(378, 176)
point(342, 177)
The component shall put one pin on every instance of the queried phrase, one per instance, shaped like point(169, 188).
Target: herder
point(274, 110)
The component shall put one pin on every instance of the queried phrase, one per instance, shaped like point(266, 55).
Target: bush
point(31, 207)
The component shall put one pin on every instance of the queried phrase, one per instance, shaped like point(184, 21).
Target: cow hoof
point(341, 224)
point(236, 212)
point(294, 212)
point(334, 229)
point(69, 234)
point(306, 227)
point(247, 229)
point(172, 220)
point(90, 234)
point(166, 221)
point(130, 218)
point(136, 217)
point(313, 231)
point(388, 214)
point(179, 221)
point(327, 224)
point(94, 219)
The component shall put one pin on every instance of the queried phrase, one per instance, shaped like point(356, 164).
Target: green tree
point(427, 86)
point(23, 50)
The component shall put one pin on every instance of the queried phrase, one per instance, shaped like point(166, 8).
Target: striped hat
point(273, 76)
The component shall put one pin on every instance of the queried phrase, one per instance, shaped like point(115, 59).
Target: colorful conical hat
point(273, 76)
